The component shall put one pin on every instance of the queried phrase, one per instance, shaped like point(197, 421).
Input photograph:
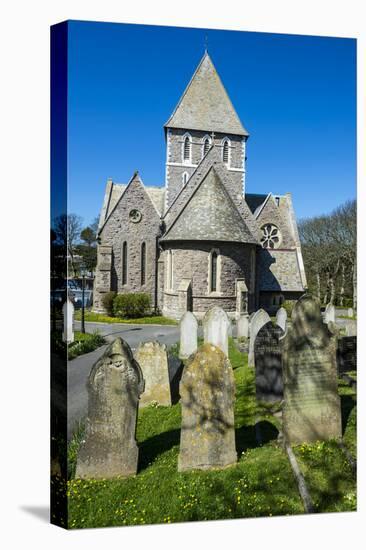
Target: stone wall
point(191, 261)
point(176, 167)
point(120, 228)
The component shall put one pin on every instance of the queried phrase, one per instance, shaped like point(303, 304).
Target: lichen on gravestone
point(311, 409)
point(207, 390)
point(114, 385)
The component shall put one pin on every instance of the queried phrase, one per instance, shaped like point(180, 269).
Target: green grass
point(83, 343)
point(260, 484)
point(92, 317)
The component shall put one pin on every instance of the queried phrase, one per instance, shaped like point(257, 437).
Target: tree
point(88, 251)
point(67, 228)
point(329, 250)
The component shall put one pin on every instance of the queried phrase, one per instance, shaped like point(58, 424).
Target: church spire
point(205, 104)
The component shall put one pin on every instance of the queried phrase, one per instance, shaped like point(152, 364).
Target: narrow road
point(79, 368)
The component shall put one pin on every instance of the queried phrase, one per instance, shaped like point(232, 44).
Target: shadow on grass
point(246, 436)
point(347, 405)
point(151, 448)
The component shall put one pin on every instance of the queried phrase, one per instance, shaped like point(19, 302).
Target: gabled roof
point(114, 192)
point(254, 200)
point(209, 215)
point(205, 104)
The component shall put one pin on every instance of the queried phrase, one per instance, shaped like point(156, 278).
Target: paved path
point(79, 368)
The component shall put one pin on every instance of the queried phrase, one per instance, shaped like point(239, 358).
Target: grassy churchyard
point(92, 317)
point(261, 483)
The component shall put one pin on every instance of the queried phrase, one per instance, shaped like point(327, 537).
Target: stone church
point(200, 240)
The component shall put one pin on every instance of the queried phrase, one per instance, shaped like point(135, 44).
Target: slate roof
point(209, 215)
point(114, 191)
point(205, 104)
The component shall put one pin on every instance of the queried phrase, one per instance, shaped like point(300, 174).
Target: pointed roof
point(209, 215)
point(205, 104)
point(115, 192)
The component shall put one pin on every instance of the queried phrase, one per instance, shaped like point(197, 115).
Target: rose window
point(135, 215)
point(270, 236)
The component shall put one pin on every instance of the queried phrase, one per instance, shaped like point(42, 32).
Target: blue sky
point(295, 95)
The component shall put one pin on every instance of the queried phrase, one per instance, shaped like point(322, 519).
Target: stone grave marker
point(350, 312)
point(216, 325)
point(351, 328)
point(207, 390)
point(347, 354)
point(329, 314)
point(242, 326)
point(259, 319)
point(115, 384)
point(68, 316)
point(153, 360)
point(311, 409)
point(281, 318)
point(268, 363)
point(188, 335)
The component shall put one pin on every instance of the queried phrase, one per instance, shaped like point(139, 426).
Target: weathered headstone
point(350, 312)
point(347, 354)
point(351, 328)
point(329, 314)
point(68, 316)
point(153, 360)
point(268, 363)
point(207, 390)
point(115, 384)
point(311, 409)
point(281, 318)
point(259, 319)
point(242, 326)
point(216, 325)
point(188, 335)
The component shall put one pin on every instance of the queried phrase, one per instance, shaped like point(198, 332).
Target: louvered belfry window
point(206, 146)
point(187, 148)
point(214, 271)
point(143, 263)
point(124, 263)
point(225, 152)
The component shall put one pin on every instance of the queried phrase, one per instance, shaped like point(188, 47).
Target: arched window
point(187, 142)
point(225, 151)
point(185, 178)
point(213, 271)
point(169, 270)
point(143, 263)
point(124, 263)
point(206, 145)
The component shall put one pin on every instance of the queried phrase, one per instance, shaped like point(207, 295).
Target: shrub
point(288, 305)
point(131, 305)
point(107, 302)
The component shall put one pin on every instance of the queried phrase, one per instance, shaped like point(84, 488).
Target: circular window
point(270, 236)
point(135, 215)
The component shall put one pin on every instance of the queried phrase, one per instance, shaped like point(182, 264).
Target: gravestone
point(259, 319)
point(350, 312)
point(242, 327)
point(153, 360)
point(311, 409)
point(68, 316)
point(351, 328)
point(115, 384)
point(347, 354)
point(329, 314)
point(281, 318)
point(188, 335)
point(216, 326)
point(268, 363)
point(207, 390)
